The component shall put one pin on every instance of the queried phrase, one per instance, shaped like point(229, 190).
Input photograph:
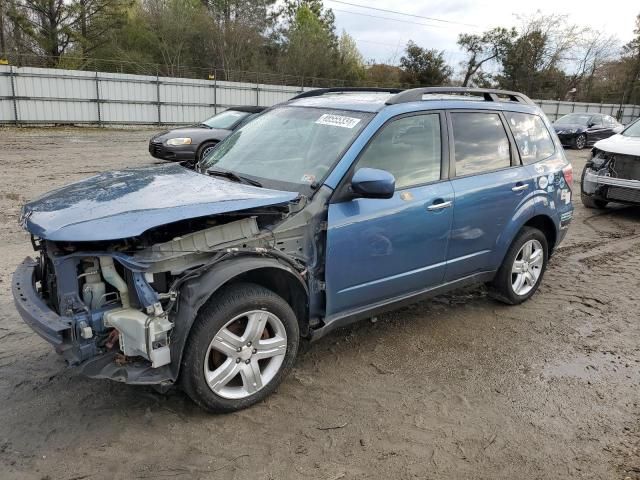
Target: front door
point(380, 249)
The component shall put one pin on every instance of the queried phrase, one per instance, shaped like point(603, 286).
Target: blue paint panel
point(126, 203)
point(378, 249)
point(484, 207)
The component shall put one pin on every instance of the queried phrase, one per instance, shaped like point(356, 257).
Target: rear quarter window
point(531, 135)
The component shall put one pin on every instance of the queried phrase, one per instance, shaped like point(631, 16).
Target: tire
point(216, 324)
point(204, 149)
point(502, 287)
point(591, 202)
point(580, 141)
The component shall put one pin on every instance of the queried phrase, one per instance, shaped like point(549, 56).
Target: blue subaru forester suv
point(332, 207)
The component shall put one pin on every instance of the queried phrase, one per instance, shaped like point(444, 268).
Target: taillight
point(568, 175)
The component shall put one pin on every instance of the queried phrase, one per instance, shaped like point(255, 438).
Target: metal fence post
point(158, 97)
point(13, 94)
point(557, 110)
point(215, 92)
point(98, 100)
point(257, 90)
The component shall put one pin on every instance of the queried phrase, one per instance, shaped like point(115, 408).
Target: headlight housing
point(179, 141)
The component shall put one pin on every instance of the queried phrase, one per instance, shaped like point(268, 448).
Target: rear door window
point(480, 143)
point(531, 135)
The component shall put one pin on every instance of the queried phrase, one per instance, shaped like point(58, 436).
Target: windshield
point(289, 148)
point(632, 130)
point(226, 120)
point(574, 118)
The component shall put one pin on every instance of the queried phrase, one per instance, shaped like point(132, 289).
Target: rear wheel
point(242, 345)
point(522, 270)
point(580, 141)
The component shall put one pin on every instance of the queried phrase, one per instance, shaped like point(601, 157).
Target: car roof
point(360, 101)
point(247, 108)
point(377, 101)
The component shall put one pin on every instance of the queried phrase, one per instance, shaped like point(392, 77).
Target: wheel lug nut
point(249, 344)
point(239, 349)
point(255, 350)
point(237, 360)
point(247, 361)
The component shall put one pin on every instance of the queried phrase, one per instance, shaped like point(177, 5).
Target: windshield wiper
point(234, 177)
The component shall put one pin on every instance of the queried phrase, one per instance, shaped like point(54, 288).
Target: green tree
point(310, 46)
point(350, 62)
point(424, 67)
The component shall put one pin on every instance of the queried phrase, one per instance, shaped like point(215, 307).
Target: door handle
point(519, 188)
point(439, 206)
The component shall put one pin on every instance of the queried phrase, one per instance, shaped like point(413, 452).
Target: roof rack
point(323, 91)
point(489, 94)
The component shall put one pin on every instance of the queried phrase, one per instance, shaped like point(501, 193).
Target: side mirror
point(591, 124)
point(373, 183)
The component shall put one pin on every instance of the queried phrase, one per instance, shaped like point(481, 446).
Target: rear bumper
point(34, 311)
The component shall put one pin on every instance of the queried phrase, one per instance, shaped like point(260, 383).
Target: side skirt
point(343, 319)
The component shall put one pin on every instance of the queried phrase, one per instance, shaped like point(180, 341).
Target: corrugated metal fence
point(31, 95)
point(40, 95)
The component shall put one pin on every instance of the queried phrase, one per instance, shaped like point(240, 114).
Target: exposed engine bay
point(122, 299)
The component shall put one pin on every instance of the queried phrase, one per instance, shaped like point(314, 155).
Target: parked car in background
point(613, 172)
point(193, 143)
point(333, 207)
point(579, 130)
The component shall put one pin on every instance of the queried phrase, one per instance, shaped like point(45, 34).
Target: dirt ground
point(456, 387)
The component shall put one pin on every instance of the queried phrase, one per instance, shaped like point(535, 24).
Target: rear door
point(489, 184)
point(381, 249)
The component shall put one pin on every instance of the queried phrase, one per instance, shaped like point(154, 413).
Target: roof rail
point(489, 94)
point(323, 91)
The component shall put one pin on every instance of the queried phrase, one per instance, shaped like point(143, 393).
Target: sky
point(383, 39)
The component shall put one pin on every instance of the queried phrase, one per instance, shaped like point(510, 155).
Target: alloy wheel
point(527, 267)
point(580, 142)
point(245, 354)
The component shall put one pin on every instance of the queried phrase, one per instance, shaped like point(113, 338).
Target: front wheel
point(205, 150)
point(580, 141)
point(242, 345)
point(521, 271)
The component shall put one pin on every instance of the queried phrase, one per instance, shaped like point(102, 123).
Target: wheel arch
point(527, 218)
point(267, 272)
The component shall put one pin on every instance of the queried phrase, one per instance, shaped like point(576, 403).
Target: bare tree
point(490, 46)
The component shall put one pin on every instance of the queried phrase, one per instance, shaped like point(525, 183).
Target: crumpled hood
point(126, 203)
point(620, 144)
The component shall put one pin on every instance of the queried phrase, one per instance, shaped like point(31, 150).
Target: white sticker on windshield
point(337, 121)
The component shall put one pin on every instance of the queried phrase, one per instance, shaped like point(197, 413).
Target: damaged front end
point(122, 309)
point(612, 177)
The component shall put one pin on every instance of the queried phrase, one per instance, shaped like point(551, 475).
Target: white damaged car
point(613, 172)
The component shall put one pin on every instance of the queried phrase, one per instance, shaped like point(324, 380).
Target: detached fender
point(195, 292)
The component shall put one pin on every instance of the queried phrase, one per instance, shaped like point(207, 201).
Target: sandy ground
point(457, 387)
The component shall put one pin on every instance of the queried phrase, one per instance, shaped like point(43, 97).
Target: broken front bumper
point(58, 331)
point(34, 311)
point(611, 188)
